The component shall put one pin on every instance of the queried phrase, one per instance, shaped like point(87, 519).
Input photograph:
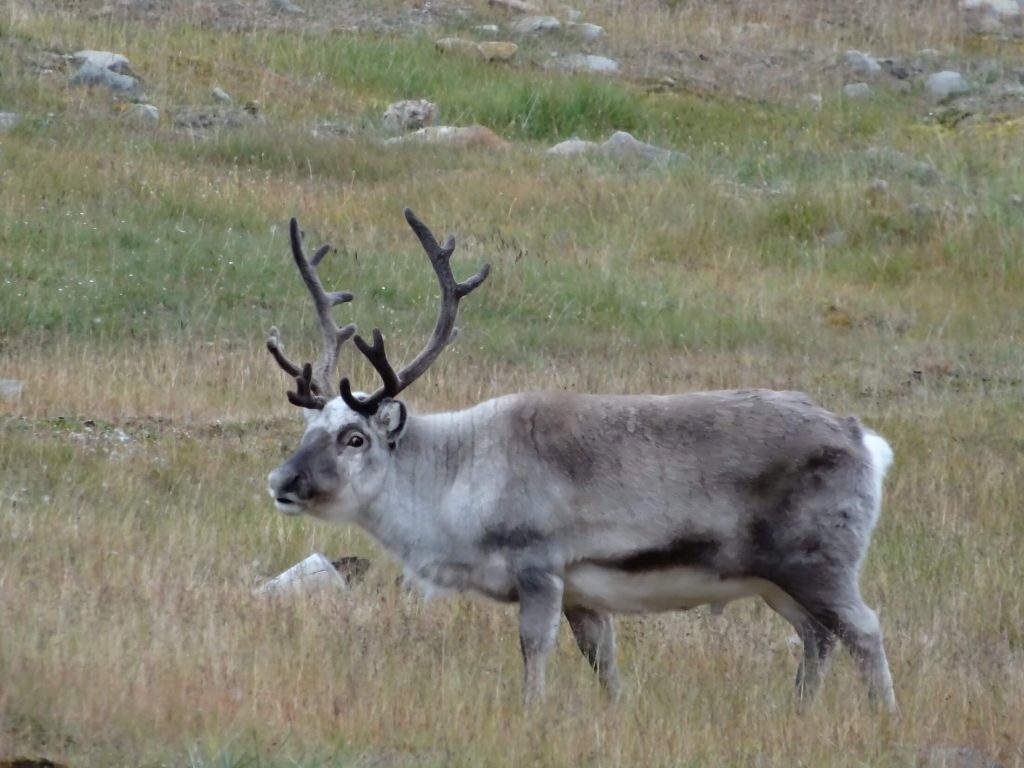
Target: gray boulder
point(411, 115)
point(585, 62)
point(532, 24)
point(863, 65)
point(946, 84)
point(94, 75)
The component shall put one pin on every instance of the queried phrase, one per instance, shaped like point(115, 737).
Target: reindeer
point(592, 505)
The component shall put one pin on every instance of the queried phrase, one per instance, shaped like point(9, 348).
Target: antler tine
point(323, 302)
point(313, 381)
point(444, 329)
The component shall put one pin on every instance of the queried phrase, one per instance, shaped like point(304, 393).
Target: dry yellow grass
point(133, 516)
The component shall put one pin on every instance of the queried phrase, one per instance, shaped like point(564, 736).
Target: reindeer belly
point(614, 590)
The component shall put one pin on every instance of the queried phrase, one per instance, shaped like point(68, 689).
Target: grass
point(140, 267)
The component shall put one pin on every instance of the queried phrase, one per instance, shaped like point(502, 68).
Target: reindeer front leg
point(540, 610)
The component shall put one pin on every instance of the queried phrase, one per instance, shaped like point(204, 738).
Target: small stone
point(11, 389)
point(814, 99)
point(955, 757)
point(856, 90)
point(862, 64)
point(624, 144)
point(1002, 8)
point(92, 74)
point(411, 115)
point(487, 30)
point(946, 84)
point(286, 6)
point(143, 113)
point(573, 146)
point(572, 15)
point(8, 120)
point(585, 62)
point(455, 44)
point(515, 5)
point(532, 24)
point(221, 95)
point(470, 137)
point(497, 51)
point(586, 31)
point(104, 59)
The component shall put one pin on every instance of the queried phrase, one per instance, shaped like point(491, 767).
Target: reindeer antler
point(444, 329)
point(313, 381)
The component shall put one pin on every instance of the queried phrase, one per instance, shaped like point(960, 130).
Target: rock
point(586, 31)
point(955, 757)
point(515, 5)
point(856, 90)
point(585, 62)
point(529, 25)
point(619, 144)
point(814, 99)
point(314, 574)
point(989, 16)
point(92, 74)
point(623, 144)
point(8, 120)
point(573, 146)
point(11, 389)
point(1003, 9)
point(142, 113)
point(286, 6)
point(572, 15)
point(863, 65)
point(471, 137)
point(455, 44)
point(946, 84)
point(497, 51)
point(104, 59)
point(410, 115)
point(221, 95)
point(487, 30)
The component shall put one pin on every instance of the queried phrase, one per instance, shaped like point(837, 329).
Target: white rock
point(572, 15)
point(143, 113)
point(585, 62)
point(573, 146)
point(8, 120)
point(515, 5)
point(314, 574)
point(624, 144)
point(814, 99)
point(489, 30)
point(1007, 8)
point(531, 24)
point(862, 64)
point(856, 90)
point(586, 31)
point(104, 59)
point(11, 389)
point(221, 95)
point(93, 74)
point(945, 84)
point(286, 6)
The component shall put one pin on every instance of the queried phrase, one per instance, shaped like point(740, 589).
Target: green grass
point(140, 267)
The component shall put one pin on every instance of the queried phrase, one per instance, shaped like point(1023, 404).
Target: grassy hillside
point(866, 251)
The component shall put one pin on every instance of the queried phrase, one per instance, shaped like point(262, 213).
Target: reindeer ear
point(390, 420)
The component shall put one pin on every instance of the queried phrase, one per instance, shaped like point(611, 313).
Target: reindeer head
point(347, 448)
